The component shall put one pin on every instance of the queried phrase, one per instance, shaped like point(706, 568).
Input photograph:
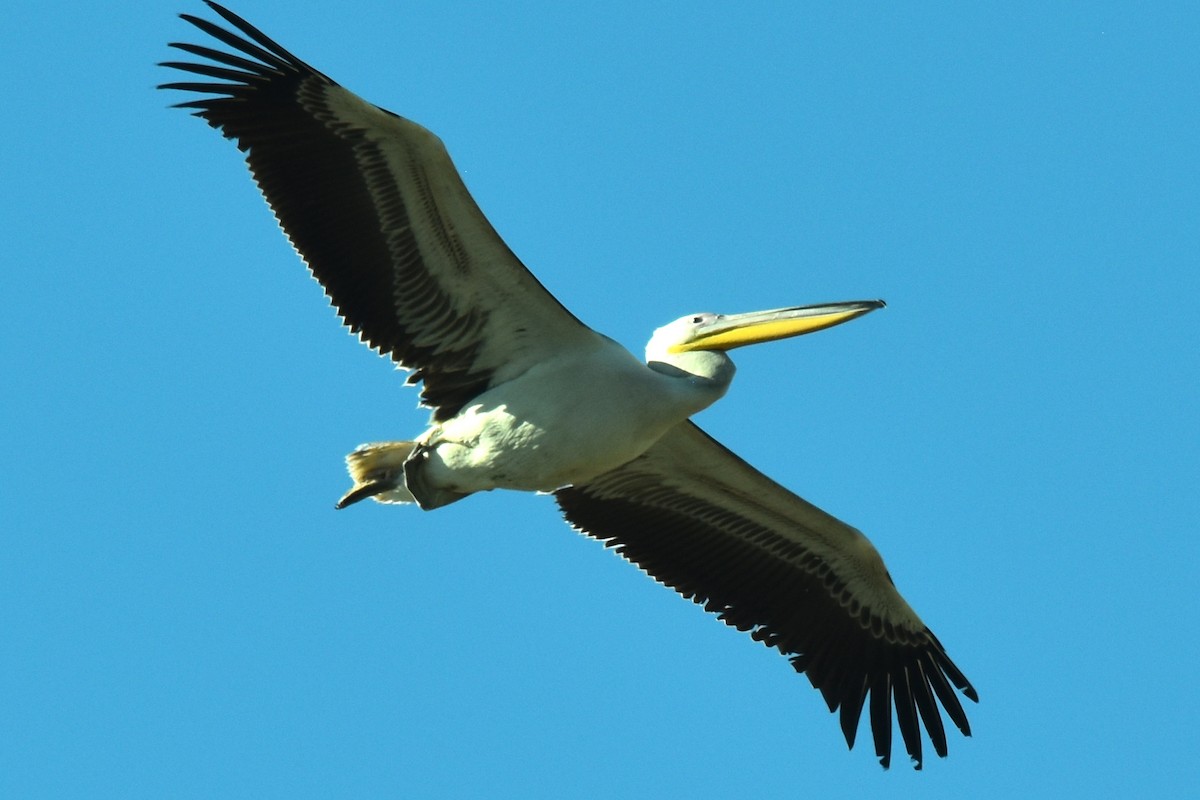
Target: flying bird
point(524, 396)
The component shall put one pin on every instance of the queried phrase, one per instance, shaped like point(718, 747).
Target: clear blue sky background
point(185, 615)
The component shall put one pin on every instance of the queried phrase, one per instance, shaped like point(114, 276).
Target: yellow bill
point(727, 331)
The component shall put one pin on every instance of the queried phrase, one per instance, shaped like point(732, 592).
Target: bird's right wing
point(701, 520)
point(380, 215)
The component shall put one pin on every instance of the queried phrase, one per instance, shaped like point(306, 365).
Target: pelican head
point(695, 347)
point(709, 332)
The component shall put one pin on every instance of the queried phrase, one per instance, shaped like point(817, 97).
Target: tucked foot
point(426, 495)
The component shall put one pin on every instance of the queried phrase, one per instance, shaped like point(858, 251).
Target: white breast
point(563, 422)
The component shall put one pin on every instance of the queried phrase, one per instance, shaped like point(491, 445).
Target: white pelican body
point(563, 422)
point(524, 396)
point(578, 415)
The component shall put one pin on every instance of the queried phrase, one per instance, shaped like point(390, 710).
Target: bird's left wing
point(704, 522)
point(380, 215)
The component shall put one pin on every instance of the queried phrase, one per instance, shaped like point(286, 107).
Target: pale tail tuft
point(378, 472)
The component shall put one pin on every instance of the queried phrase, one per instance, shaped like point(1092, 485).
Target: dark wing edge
point(375, 207)
point(702, 521)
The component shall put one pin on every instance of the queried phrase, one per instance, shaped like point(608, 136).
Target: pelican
point(526, 397)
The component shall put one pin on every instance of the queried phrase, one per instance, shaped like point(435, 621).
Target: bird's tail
point(378, 472)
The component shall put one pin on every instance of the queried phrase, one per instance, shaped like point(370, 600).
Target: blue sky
point(186, 615)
